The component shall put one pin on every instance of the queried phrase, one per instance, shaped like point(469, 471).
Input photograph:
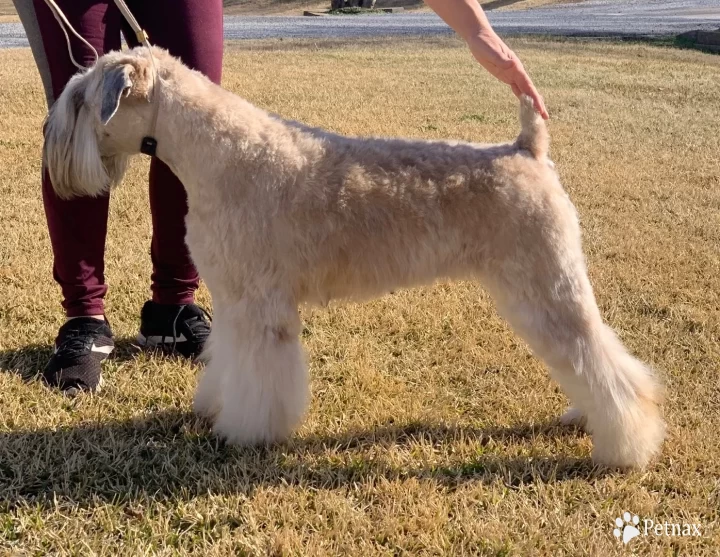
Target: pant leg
point(193, 31)
point(77, 227)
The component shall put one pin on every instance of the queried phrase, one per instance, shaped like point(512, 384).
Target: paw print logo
point(627, 527)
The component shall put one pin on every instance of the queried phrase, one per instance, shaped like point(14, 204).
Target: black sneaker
point(181, 329)
point(81, 344)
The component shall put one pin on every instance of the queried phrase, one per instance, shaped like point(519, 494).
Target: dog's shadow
point(171, 455)
point(29, 361)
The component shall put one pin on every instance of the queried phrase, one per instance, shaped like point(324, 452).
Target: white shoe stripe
point(101, 349)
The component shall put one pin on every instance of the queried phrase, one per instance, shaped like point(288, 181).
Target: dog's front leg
point(258, 370)
point(207, 401)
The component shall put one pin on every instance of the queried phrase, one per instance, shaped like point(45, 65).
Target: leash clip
point(142, 36)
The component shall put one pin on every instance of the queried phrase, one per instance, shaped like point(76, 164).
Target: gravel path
point(594, 18)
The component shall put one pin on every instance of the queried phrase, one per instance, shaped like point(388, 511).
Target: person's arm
point(468, 20)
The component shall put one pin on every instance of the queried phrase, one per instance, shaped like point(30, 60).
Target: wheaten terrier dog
point(282, 214)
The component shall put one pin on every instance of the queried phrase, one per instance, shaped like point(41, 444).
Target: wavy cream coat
point(282, 214)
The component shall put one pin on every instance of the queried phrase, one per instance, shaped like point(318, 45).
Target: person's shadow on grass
point(172, 455)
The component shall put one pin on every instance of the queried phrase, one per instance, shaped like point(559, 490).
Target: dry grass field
point(431, 429)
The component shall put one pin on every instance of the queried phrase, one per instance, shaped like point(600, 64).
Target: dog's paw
point(207, 407)
point(573, 417)
point(207, 401)
point(234, 430)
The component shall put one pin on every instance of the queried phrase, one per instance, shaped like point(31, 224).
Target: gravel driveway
point(593, 18)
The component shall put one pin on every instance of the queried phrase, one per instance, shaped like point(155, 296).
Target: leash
point(64, 25)
point(148, 146)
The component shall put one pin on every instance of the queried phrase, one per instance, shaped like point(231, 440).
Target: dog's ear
point(116, 84)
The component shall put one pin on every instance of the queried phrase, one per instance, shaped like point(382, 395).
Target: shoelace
point(76, 341)
point(197, 324)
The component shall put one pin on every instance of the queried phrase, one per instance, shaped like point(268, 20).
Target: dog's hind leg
point(540, 283)
point(257, 353)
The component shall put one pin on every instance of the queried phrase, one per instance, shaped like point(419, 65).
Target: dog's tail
point(534, 135)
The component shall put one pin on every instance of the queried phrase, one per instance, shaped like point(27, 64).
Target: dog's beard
point(72, 154)
point(115, 167)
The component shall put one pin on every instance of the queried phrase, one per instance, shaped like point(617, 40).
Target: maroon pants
point(189, 29)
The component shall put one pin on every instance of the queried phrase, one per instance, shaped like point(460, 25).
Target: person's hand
point(497, 58)
point(469, 21)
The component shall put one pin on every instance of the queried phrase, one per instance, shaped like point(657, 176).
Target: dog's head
point(98, 121)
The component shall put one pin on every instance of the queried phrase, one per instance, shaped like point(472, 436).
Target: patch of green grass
point(473, 118)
